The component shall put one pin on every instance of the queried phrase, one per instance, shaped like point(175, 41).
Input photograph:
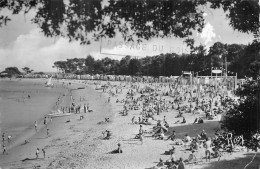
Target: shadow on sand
point(237, 163)
point(194, 129)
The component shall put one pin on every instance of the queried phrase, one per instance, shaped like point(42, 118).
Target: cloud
point(39, 52)
point(207, 34)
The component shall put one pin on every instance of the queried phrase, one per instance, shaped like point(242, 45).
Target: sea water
point(24, 101)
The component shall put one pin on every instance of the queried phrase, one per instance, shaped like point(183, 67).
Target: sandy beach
point(80, 144)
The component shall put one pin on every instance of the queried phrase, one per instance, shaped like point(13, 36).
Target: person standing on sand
point(37, 153)
point(45, 121)
point(4, 149)
point(85, 108)
point(9, 138)
point(43, 151)
point(3, 137)
point(35, 126)
point(48, 132)
point(207, 145)
point(133, 120)
point(141, 131)
point(141, 138)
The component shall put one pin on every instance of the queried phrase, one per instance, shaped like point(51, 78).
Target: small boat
point(49, 83)
point(81, 87)
point(58, 114)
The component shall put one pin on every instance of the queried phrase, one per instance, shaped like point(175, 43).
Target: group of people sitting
point(172, 163)
point(108, 135)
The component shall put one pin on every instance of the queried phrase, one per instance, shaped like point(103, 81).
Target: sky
point(23, 44)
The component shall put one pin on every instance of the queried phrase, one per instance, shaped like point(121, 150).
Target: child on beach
point(9, 138)
point(35, 125)
point(192, 158)
point(133, 120)
point(141, 138)
point(43, 151)
point(108, 136)
point(48, 132)
point(4, 149)
point(81, 117)
point(37, 153)
point(85, 108)
point(45, 120)
point(3, 137)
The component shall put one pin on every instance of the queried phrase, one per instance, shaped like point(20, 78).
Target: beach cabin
point(57, 76)
point(150, 79)
point(116, 78)
point(111, 77)
point(121, 78)
point(128, 78)
point(206, 80)
point(85, 77)
point(138, 79)
point(105, 78)
point(96, 77)
point(133, 79)
point(162, 79)
point(144, 79)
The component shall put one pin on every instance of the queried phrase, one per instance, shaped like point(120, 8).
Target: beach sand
point(79, 143)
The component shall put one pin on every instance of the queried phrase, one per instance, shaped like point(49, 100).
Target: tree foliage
point(242, 119)
point(12, 71)
point(82, 20)
point(27, 70)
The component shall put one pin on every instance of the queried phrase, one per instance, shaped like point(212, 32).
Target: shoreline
point(56, 129)
point(29, 131)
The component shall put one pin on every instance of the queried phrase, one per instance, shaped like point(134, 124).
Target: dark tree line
point(243, 59)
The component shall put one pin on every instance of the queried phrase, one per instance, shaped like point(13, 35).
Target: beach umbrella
point(160, 129)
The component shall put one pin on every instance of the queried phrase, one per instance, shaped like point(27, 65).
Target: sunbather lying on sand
point(170, 152)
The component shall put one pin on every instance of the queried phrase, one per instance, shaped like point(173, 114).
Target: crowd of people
point(152, 100)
